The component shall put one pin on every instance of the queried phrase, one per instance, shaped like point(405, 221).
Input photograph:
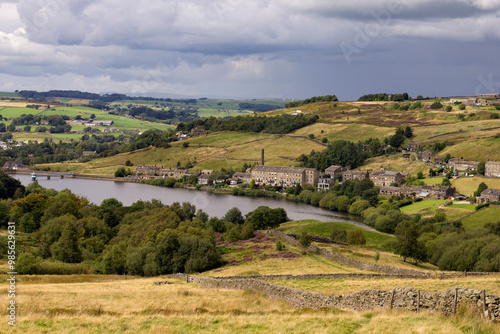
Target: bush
point(359, 206)
point(436, 105)
point(27, 264)
point(448, 108)
point(280, 247)
point(461, 107)
point(338, 235)
point(305, 240)
point(494, 116)
point(356, 237)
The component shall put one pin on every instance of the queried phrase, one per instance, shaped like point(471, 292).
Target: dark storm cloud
point(286, 48)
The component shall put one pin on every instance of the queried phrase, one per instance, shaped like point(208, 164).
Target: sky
point(290, 49)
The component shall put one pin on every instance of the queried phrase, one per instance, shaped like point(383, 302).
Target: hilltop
point(461, 130)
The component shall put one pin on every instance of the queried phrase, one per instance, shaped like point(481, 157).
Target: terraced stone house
point(284, 176)
point(492, 169)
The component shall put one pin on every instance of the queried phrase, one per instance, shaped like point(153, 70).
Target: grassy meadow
point(215, 151)
point(430, 204)
point(481, 217)
point(341, 286)
point(468, 185)
point(324, 229)
point(139, 306)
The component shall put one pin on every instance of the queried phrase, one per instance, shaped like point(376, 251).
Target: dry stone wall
point(399, 298)
point(351, 262)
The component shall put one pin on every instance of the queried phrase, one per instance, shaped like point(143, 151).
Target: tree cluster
point(385, 97)
point(340, 152)
point(277, 124)
point(324, 98)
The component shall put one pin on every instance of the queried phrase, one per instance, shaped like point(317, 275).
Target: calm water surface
point(214, 204)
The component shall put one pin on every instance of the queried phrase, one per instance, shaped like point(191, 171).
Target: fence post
point(456, 301)
point(392, 299)
point(418, 301)
point(485, 308)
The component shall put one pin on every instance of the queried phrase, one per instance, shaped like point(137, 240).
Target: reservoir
point(214, 204)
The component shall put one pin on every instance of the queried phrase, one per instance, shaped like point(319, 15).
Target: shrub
point(305, 240)
point(27, 264)
point(436, 105)
point(359, 206)
point(338, 235)
point(461, 107)
point(356, 237)
point(280, 247)
point(448, 108)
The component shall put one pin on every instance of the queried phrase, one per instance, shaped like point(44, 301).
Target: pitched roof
point(491, 191)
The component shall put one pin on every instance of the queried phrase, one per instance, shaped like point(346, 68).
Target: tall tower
point(262, 157)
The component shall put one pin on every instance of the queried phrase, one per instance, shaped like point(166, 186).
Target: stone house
point(324, 183)
point(334, 170)
point(243, 177)
point(462, 165)
point(431, 192)
point(412, 147)
point(492, 169)
point(203, 179)
point(354, 175)
point(439, 192)
point(489, 195)
point(396, 191)
point(425, 156)
point(176, 173)
point(284, 176)
point(14, 165)
point(148, 170)
point(383, 179)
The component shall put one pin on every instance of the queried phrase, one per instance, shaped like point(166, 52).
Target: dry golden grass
point(139, 306)
point(353, 131)
point(468, 185)
point(423, 133)
point(475, 148)
point(396, 163)
point(308, 264)
point(342, 286)
point(4, 103)
point(279, 150)
point(369, 254)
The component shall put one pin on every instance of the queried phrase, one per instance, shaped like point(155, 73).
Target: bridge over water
point(48, 175)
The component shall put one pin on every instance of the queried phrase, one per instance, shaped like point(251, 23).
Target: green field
point(481, 217)
point(471, 207)
point(426, 204)
point(315, 227)
point(433, 181)
point(8, 94)
point(119, 121)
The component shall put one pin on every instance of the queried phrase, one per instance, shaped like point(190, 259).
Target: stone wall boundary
point(397, 298)
point(348, 261)
point(393, 271)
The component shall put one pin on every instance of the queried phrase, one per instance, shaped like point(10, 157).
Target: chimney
point(262, 157)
